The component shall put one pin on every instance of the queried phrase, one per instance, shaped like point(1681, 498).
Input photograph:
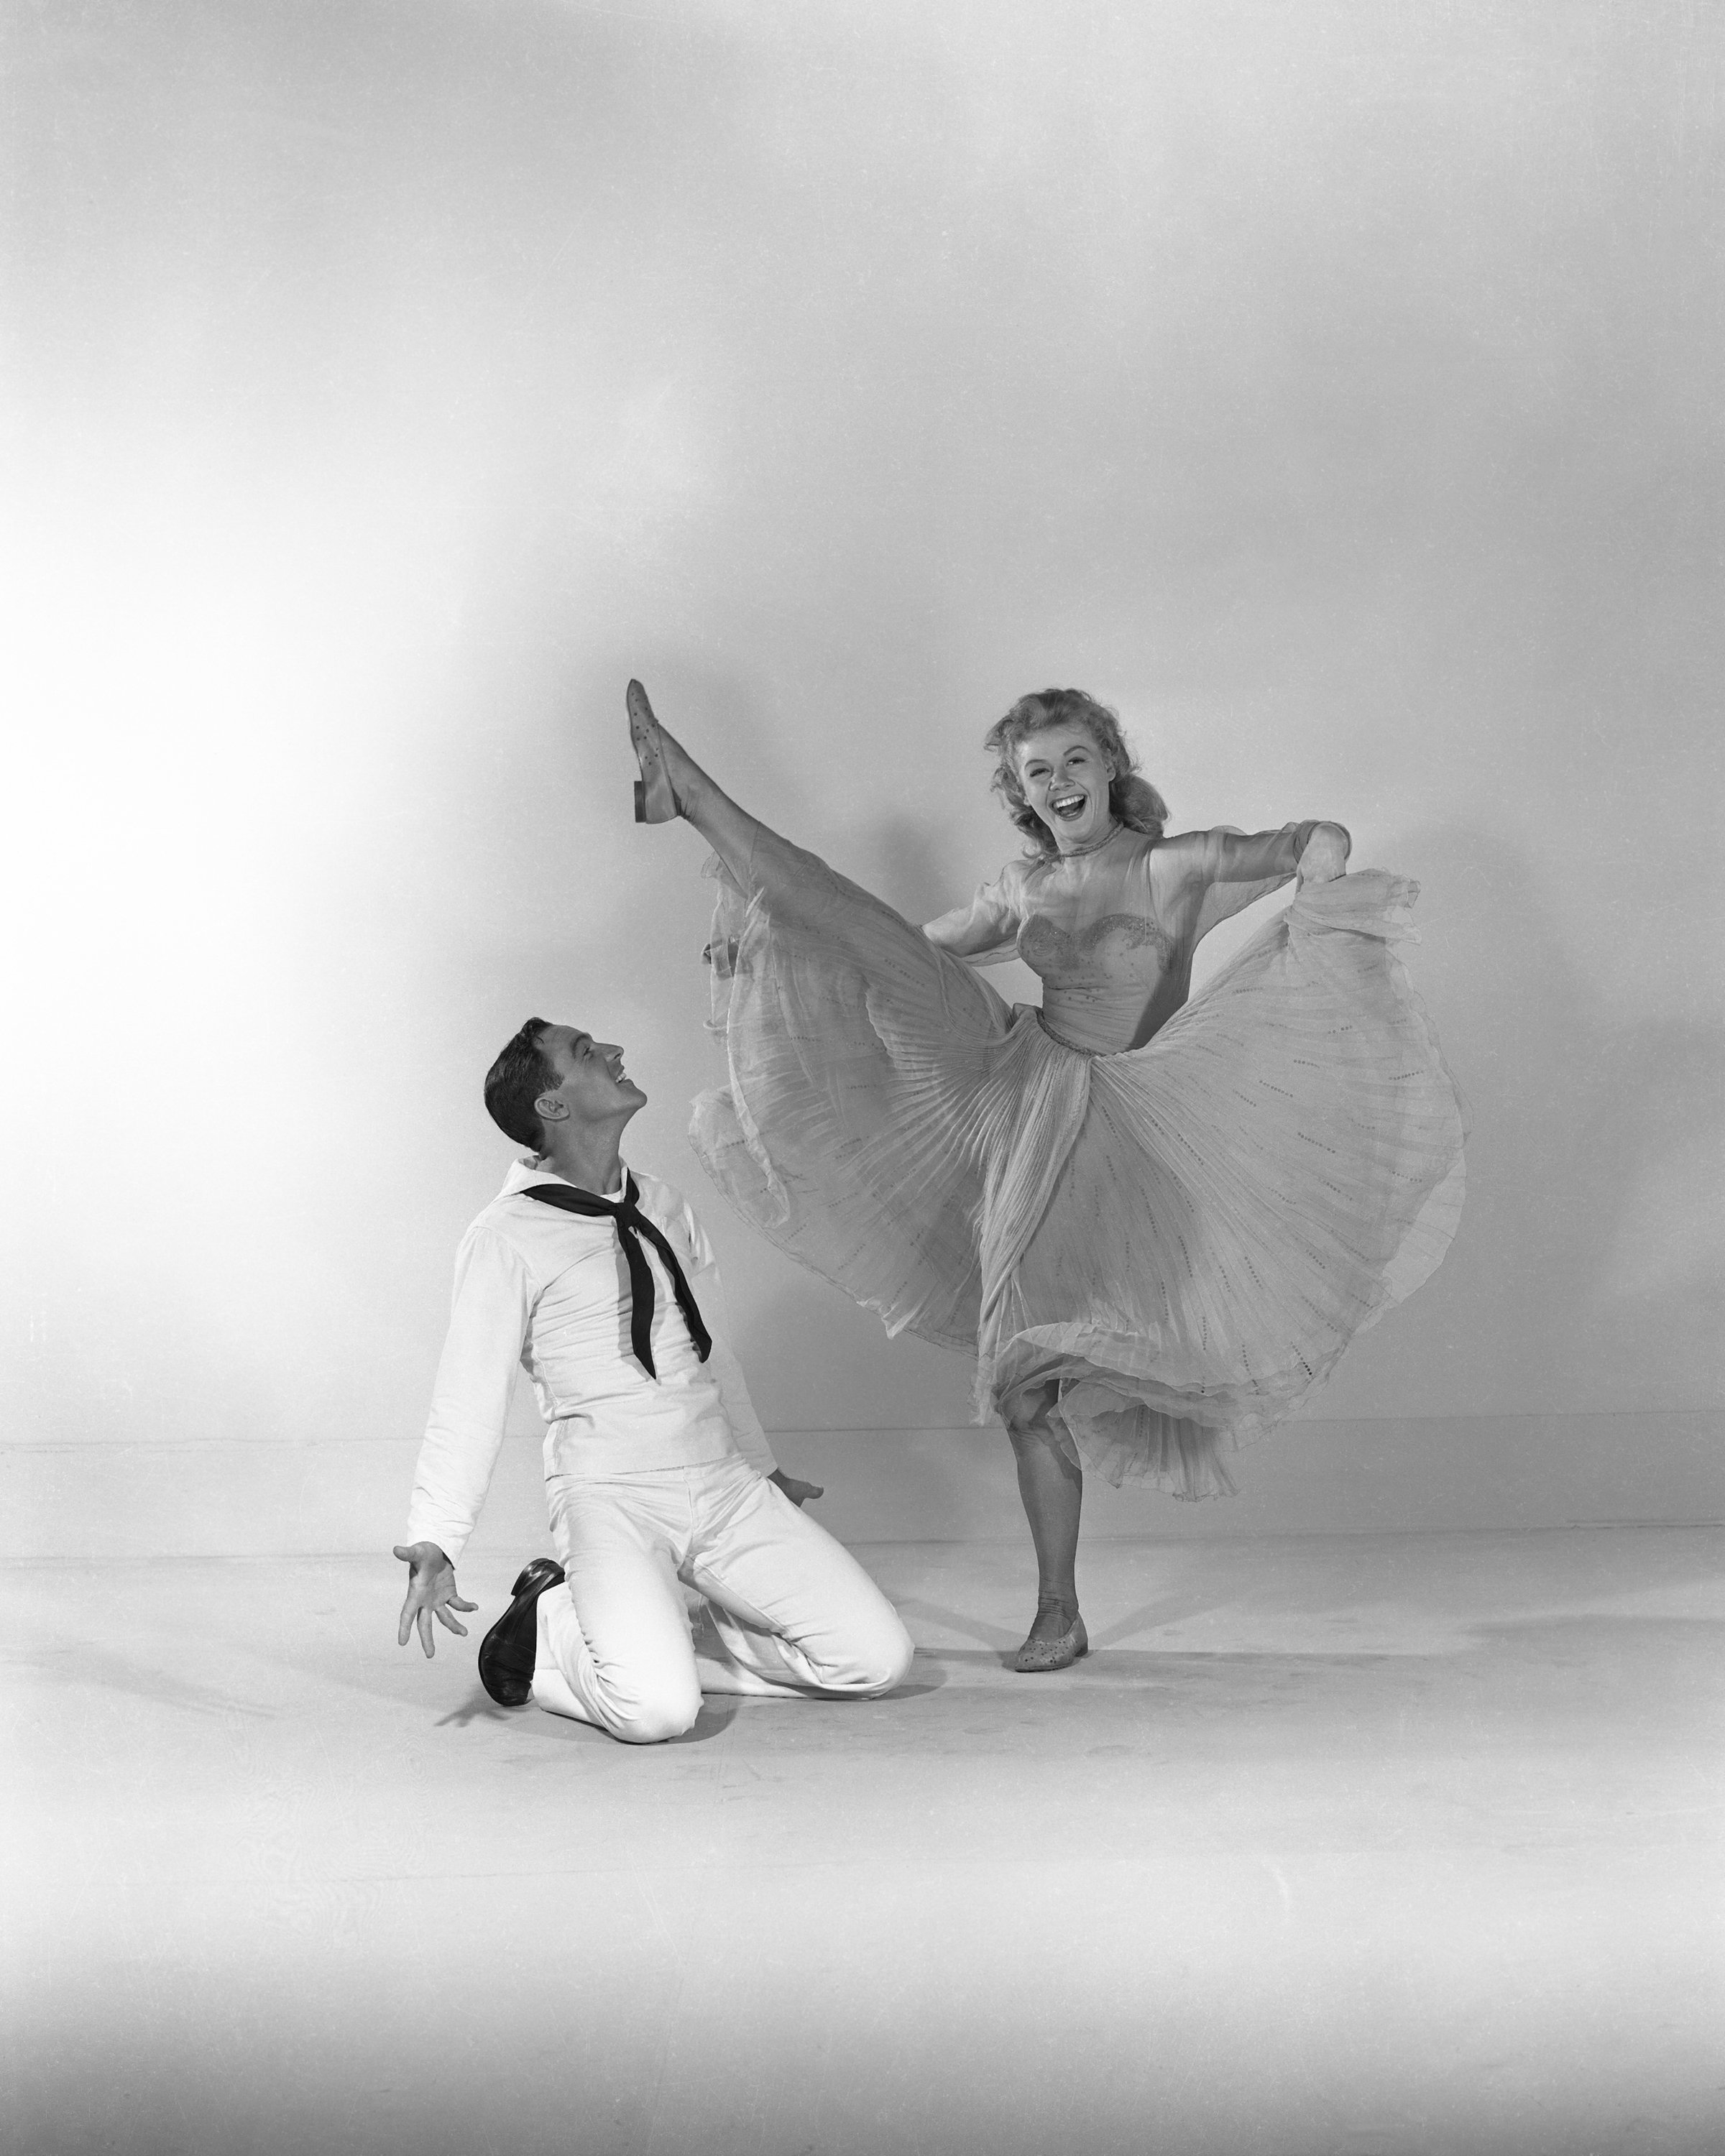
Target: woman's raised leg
point(804, 891)
point(672, 783)
point(1051, 1483)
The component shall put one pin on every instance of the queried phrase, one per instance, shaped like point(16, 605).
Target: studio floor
point(1336, 1844)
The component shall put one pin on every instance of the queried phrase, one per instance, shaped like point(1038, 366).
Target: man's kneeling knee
point(656, 1717)
point(882, 1663)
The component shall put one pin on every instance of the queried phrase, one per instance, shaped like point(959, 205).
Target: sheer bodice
point(1111, 933)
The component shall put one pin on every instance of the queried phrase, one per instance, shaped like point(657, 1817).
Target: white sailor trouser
point(792, 1611)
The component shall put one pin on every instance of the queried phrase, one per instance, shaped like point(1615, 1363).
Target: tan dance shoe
point(654, 801)
point(1036, 1656)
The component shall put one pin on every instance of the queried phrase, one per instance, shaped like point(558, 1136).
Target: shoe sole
point(506, 1687)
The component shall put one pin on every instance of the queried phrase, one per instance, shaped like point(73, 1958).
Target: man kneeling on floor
point(603, 1285)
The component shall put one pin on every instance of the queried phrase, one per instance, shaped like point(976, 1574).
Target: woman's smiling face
point(1064, 777)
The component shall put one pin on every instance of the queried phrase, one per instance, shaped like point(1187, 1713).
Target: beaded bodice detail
point(1114, 941)
point(1110, 973)
point(1111, 931)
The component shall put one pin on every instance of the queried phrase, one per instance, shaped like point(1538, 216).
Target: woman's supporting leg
point(1051, 1483)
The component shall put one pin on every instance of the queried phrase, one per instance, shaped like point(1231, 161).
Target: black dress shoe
point(507, 1652)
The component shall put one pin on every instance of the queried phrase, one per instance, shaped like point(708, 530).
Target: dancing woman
point(1156, 1220)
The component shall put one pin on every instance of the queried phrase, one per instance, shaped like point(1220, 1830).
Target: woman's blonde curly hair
point(1132, 800)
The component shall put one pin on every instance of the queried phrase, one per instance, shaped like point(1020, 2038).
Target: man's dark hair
point(521, 1073)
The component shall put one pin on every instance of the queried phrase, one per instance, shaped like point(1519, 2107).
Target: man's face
point(592, 1084)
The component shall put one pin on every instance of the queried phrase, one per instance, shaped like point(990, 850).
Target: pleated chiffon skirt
point(1183, 1237)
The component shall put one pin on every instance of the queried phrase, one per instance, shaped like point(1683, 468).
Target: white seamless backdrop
point(1332, 389)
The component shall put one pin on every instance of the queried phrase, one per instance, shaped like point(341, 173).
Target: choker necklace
point(1094, 845)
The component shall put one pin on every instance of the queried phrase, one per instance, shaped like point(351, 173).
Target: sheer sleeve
point(1217, 873)
point(985, 932)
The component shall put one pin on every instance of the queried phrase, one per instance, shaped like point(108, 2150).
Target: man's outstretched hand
point(431, 1593)
point(799, 1493)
